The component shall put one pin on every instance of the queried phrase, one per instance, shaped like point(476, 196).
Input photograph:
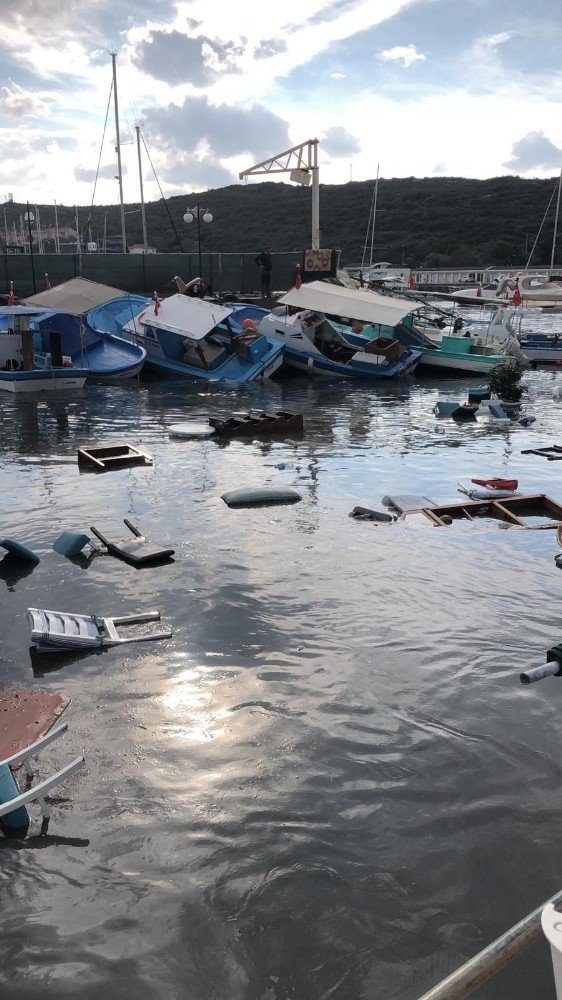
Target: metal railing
point(499, 953)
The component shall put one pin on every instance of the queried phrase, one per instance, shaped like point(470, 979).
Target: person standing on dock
point(263, 260)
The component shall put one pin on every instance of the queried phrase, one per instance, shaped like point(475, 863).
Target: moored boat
point(307, 323)
point(22, 372)
point(189, 336)
point(107, 356)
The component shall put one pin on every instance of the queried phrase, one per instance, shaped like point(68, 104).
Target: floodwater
point(329, 783)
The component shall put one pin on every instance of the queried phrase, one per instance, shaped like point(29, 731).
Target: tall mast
point(143, 216)
point(57, 242)
point(118, 151)
point(556, 223)
point(375, 196)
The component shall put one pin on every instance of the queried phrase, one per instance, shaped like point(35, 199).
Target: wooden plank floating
point(252, 424)
point(511, 510)
point(103, 457)
point(552, 452)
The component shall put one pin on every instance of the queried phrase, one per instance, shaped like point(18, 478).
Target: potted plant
point(505, 381)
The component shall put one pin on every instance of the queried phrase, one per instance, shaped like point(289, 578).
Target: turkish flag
point(411, 282)
point(479, 292)
point(11, 295)
point(157, 304)
point(516, 296)
point(298, 279)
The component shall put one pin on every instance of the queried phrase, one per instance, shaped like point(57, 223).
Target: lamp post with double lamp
point(29, 218)
point(198, 213)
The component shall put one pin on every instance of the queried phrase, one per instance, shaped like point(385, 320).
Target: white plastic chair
point(37, 792)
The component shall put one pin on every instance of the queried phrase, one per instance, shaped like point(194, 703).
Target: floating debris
point(112, 456)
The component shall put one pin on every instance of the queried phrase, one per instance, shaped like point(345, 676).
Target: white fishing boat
point(24, 372)
point(308, 322)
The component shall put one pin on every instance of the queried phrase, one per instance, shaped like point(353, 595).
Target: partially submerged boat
point(22, 370)
point(308, 322)
point(107, 356)
point(189, 336)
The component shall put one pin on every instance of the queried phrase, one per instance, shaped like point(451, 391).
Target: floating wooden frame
point(552, 452)
point(255, 424)
point(511, 510)
point(102, 457)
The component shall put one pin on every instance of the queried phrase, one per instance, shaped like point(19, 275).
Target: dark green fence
point(234, 273)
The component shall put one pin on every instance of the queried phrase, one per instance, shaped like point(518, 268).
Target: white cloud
point(407, 53)
point(338, 76)
point(19, 103)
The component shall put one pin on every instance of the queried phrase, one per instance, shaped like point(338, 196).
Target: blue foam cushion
point(70, 543)
point(18, 550)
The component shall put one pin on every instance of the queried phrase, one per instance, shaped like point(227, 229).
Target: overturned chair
point(60, 631)
point(28, 714)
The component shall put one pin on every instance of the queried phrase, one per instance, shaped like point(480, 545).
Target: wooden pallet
point(512, 510)
point(103, 457)
point(552, 452)
point(252, 424)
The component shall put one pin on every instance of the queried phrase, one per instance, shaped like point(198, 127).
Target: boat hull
point(472, 364)
point(257, 374)
point(314, 364)
point(40, 382)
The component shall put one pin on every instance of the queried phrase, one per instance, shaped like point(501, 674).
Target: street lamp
point(198, 213)
point(29, 218)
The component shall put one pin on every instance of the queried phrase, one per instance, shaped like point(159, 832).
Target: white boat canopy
point(76, 296)
point(361, 303)
point(192, 318)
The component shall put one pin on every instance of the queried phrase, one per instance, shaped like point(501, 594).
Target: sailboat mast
point(118, 151)
point(556, 223)
point(374, 219)
point(143, 215)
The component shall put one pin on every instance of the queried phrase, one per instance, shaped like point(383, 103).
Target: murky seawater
point(329, 782)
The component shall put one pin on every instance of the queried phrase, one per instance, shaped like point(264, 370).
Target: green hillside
point(431, 222)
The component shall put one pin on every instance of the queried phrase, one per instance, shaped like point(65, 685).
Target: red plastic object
point(497, 484)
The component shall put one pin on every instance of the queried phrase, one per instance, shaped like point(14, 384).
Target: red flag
point(11, 295)
point(47, 282)
point(411, 282)
point(516, 297)
point(298, 278)
point(479, 292)
point(157, 304)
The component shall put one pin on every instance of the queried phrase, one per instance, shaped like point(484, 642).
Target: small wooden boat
point(252, 424)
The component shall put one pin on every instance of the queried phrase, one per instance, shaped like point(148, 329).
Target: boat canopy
point(192, 318)
point(361, 304)
point(76, 296)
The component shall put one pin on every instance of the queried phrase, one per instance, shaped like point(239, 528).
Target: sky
point(424, 88)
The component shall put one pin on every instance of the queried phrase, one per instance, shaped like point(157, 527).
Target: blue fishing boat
point(22, 371)
point(307, 322)
point(107, 356)
point(189, 336)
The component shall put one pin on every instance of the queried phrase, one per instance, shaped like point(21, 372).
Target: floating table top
point(26, 716)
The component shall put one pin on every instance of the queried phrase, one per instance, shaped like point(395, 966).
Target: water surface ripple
point(329, 783)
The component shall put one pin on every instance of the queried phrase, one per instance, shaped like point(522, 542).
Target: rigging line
point(540, 229)
point(99, 158)
point(162, 193)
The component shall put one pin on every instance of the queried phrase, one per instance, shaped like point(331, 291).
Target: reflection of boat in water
point(22, 370)
point(318, 344)
point(189, 336)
